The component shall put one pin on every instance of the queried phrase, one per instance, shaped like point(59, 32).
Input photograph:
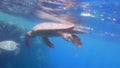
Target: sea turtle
point(47, 29)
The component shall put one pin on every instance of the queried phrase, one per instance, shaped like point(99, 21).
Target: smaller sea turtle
point(46, 29)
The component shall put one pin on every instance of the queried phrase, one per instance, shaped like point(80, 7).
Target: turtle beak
point(27, 40)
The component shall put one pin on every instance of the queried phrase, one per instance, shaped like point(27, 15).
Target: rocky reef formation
point(10, 31)
point(9, 45)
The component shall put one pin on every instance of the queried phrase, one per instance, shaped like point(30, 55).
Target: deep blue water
point(100, 49)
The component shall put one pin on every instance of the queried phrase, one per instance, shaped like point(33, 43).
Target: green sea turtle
point(47, 29)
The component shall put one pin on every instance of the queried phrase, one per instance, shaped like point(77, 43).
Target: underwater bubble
point(87, 14)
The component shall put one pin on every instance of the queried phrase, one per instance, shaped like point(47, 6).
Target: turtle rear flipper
point(27, 39)
point(76, 41)
point(46, 40)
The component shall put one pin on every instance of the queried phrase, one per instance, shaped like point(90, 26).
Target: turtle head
point(72, 38)
point(67, 37)
point(27, 38)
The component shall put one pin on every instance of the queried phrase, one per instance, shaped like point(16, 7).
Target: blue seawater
point(100, 49)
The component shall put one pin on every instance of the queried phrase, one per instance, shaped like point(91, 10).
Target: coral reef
point(10, 31)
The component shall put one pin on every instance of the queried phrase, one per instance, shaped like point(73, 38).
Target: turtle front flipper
point(46, 40)
point(79, 31)
point(76, 41)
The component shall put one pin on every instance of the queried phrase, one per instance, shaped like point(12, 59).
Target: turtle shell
point(52, 26)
